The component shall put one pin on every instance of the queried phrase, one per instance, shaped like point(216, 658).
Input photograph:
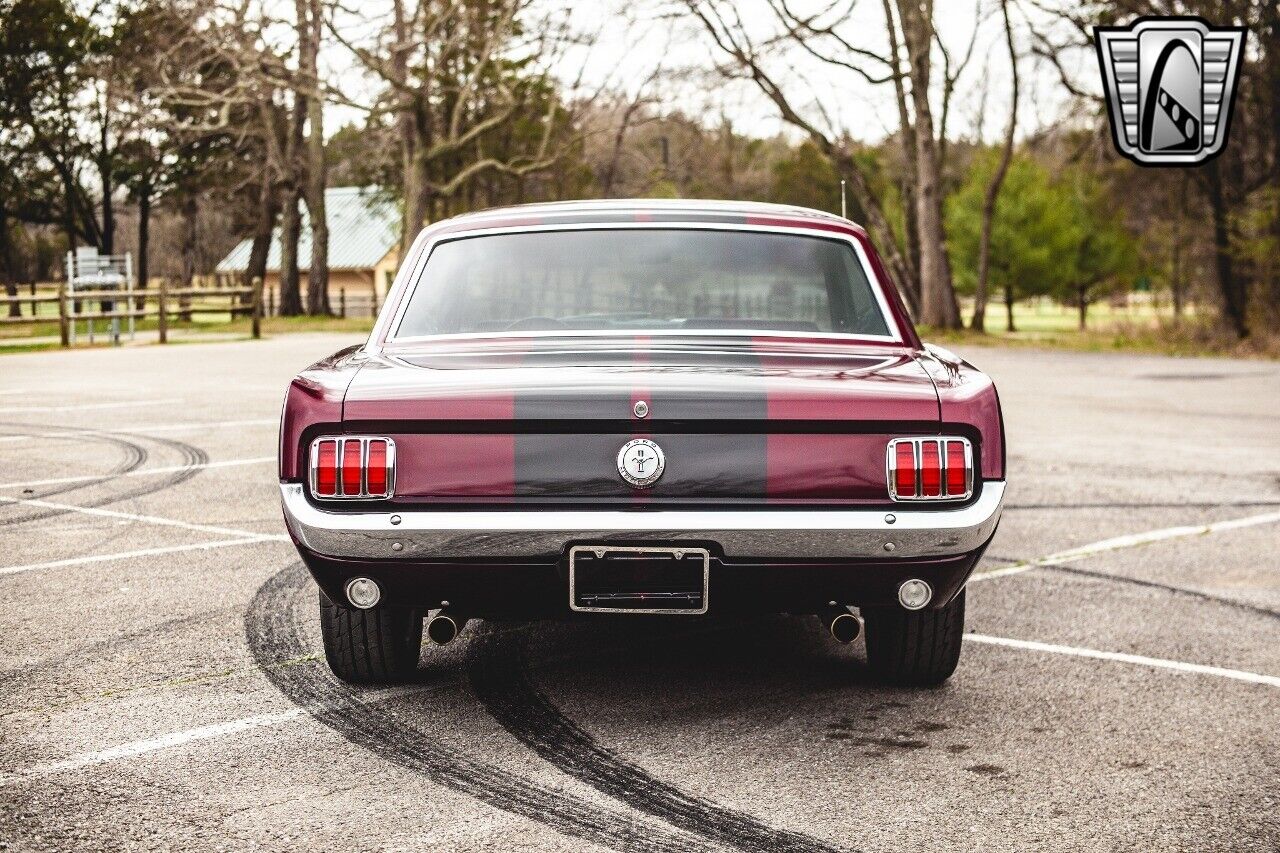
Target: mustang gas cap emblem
point(641, 463)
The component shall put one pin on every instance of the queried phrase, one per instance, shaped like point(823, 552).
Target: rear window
point(642, 279)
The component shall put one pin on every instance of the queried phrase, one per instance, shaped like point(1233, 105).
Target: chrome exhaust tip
point(444, 628)
point(843, 626)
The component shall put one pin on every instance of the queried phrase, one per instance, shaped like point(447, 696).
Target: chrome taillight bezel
point(917, 445)
point(313, 460)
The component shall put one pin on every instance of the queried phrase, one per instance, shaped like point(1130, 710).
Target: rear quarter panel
point(966, 395)
point(314, 399)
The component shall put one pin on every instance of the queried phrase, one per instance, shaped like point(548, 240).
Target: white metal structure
point(89, 271)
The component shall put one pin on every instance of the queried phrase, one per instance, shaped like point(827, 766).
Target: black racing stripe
point(556, 463)
point(732, 463)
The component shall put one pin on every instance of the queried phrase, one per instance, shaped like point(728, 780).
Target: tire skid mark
point(189, 453)
point(272, 628)
point(135, 456)
point(500, 678)
point(1163, 587)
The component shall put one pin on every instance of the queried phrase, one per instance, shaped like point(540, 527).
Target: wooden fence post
point(34, 309)
point(161, 308)
point(342, 302)
point(63, 330)
point(257, 307)
point(271, 302)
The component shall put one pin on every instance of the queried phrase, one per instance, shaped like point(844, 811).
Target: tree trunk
point(1175, 277)
point(6, 261)
point(1229, 283)
point(907, 138)
point(108, 190)
point(291, 304)
point(190, 210)
point(263, 230)
point(938, 299)
point(1082, 301)
point(309, 31)
point(290, 229)
point(877, 224)
point(406, 128)
point(993, 188)
point(1008, 307)
point(144, 239)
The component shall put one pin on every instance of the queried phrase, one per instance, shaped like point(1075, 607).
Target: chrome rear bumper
point(741, 534)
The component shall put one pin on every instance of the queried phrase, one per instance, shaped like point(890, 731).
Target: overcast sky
point(631, 39)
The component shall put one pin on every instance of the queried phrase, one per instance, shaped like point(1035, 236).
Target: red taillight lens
point(957, 469)
point(376, 468)
point(353, 467)
point(930, 469)
point(326, 468)
point(352, 473)
point(904, 474)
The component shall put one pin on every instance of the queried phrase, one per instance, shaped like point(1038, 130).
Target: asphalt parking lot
point(160, 685)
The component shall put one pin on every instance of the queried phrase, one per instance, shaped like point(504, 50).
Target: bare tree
point(310, 28)
point(938, 299)
point(726, 28)
point(453, 77)
point(997, 179)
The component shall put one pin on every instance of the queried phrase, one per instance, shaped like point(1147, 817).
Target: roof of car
point(648, 210)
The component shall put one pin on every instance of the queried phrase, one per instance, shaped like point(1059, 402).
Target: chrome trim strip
point(740, 534)
point(917, 442)
point(675, 552)
point(341, 443)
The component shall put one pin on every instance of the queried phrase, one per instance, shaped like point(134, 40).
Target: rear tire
point(916, 648)
point(375, 646)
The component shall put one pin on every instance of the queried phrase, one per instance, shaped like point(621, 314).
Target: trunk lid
point(740, 419)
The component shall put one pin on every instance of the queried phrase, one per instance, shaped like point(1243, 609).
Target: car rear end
point(681, 417)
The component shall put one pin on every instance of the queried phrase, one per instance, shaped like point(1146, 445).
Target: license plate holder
point(639, 579)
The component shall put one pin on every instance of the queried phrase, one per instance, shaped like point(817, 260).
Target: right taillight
point(353, 467)
point(930, 469)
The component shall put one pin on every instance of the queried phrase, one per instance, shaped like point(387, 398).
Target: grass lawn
point(1134, 328)
point(1139, 327)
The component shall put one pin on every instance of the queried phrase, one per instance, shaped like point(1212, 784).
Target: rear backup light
point(930, 469)
point(352, 467)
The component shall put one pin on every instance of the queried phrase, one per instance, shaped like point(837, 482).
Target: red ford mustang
point(642, 408)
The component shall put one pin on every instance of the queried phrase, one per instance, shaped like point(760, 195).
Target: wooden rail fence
point(169, 302)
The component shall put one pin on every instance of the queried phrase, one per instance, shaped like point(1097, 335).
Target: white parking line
point(173, 739)
point(85, 407)
point(143, 428)
point(149, 519)
point(1132, 540)
point(141, 472)
point(143, 552)
point(1122, 657)
point(135, 748)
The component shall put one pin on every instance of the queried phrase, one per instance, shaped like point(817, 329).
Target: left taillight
point(930, 469)
point(353, 467)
